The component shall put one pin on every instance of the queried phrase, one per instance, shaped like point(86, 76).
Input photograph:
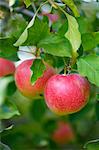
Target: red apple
point(7, 67)
point(63, 133)
point(23, 83)
point(66, 94)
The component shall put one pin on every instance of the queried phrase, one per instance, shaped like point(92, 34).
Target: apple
point(7, 67)
point(66, 94)
point(63, 133)
point(23, 83)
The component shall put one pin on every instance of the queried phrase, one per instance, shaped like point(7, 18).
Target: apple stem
point(37, 52)
point(74, 58)
point(65, 67)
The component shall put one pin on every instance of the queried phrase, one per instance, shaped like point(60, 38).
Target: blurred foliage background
point(27, 124)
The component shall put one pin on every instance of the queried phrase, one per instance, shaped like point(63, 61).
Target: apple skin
point(66, 94)
point(63, 133)
point(23, 83)
point(7, 67)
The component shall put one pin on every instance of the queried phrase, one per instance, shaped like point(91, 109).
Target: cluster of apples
point(64, 94)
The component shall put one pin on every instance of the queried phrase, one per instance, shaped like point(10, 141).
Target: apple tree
point(49, 74)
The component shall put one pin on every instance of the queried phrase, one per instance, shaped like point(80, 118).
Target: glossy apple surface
point(23, 83)
point(66, 94)
point(7, 67)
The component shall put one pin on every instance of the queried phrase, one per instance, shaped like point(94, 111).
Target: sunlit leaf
point(27, 3)
point(24, 35)
point(73, 34)
point(70, 3)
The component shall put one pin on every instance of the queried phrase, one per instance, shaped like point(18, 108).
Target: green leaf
point(8, 110)
point(2, 128)
point(73, 34)
point(63, 29)
point(55, 61)
point(4, 147)
point(91, 142)
point(3, 87)
point(72, 6)
point(97, 109)
point(96, 35)
point(89, 66)
point(27, 3)
point(90, 40)
point(37, 32)
point(38, 108)
point(84, 25)
point(56, 45)
point(24, 35)
point(50, 125)
point(11, 88)
point(6, 47)
point(16, 25)
point(37, 69)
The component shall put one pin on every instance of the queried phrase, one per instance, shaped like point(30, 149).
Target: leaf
point(90, 40)
point(73, 34)
point(37, 69)
point(37, 32)
point(4, 147)
point(90, 142)
point(84, 25)
point(89, 66)
point(63, 29)
point(27, 3)
point(11, 88)
point(2, 129)
point(56, 62)
point(3, 87)
point(24, 35)
point(56, 45)
point(38, 109)
point(97, 109)
point(96, 35)
point(6, 47)
point(72, 6)
point(16, 25)
point(8, 110)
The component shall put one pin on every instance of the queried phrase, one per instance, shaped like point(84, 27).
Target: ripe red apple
point(6, 67)
point(63, 133)
point(23, 83)
point(66, 94)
